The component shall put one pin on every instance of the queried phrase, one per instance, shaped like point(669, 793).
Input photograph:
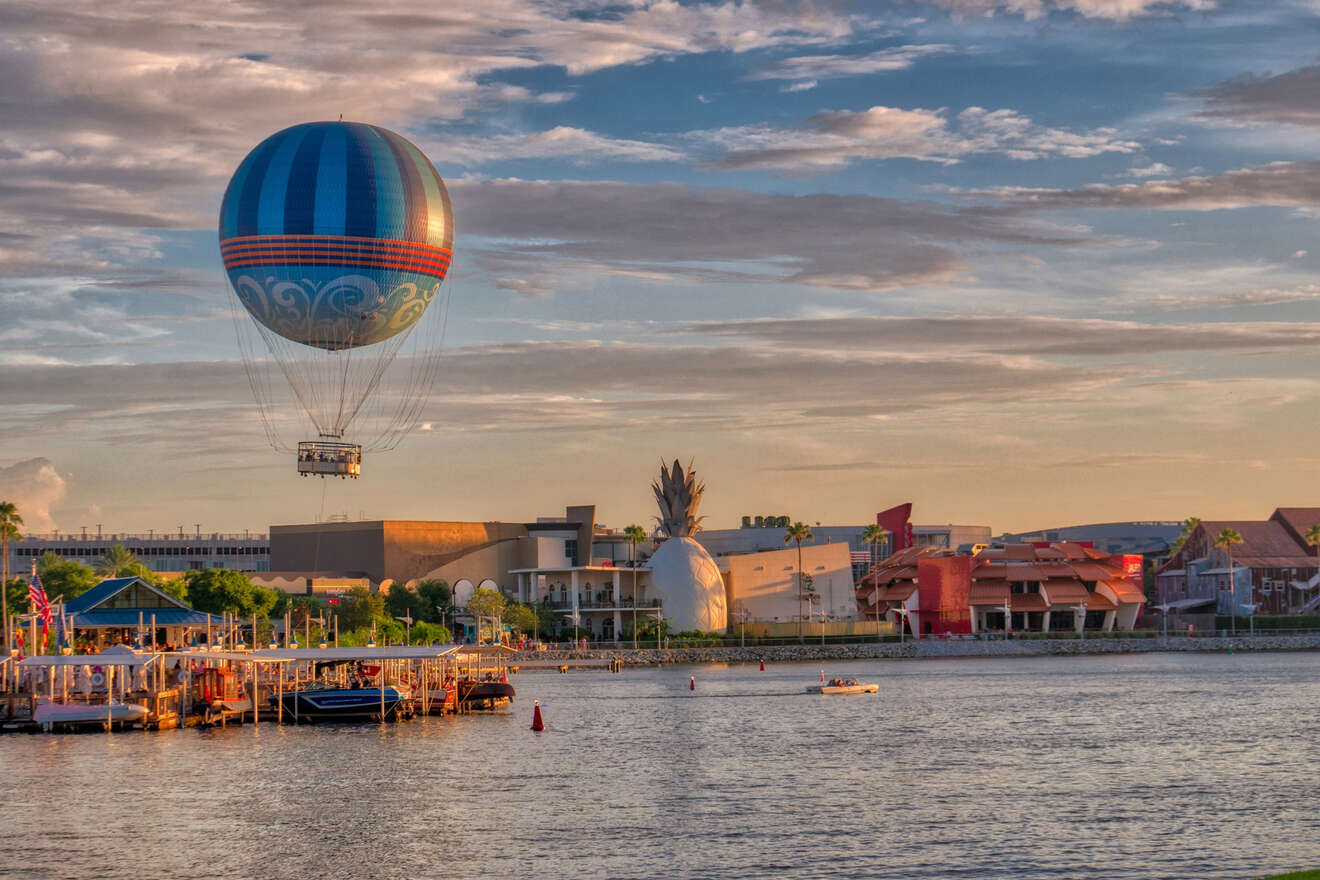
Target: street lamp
point(407, 622)
point(742, 615)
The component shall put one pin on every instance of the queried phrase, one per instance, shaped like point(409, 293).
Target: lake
point(1138, 766)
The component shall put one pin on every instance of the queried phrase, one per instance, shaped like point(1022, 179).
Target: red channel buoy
point(822, 676)
point(537, 724)
point(692, 682)
point(763, 664)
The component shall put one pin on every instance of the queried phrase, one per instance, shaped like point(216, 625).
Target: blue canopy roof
point(128, 617)
point(86, 611)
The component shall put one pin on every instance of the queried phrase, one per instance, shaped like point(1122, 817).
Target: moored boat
point(489, 693)
point(49, 714)
point(346, 703)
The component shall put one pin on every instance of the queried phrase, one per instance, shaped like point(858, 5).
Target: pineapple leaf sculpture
point(679, 496)
point(684, 576)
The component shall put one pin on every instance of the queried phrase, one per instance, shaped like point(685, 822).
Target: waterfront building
point(120, 610)
point(159, 551)
point(1274, 568)
point(491, 554)
point(764, 533)
point(1062, 587)
point(599, 598)
point(763, 587)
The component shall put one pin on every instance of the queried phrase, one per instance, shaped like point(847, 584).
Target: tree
point(634, 533)
point(485, 603)
point(360, 607)
point(10, 520)
point(799, 532)
point(16, 595)
point(434, 600)
point(1189, 525)
point(429, 633)
point(873, 535)
point(118, 561)
point(523, 618)
point(403, 601)
point(221, 590)
point(1226, 539)
point(64, 578)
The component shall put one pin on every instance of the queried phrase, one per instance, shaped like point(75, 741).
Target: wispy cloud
point(835, 138)
point(850, 242)
point(1283, 184)
point(818, 67)
point(1291, 98)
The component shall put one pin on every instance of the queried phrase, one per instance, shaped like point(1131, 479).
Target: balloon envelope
point(336, 235)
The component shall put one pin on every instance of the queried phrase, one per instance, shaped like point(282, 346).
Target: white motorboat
point(843, 686)
point(49, 714)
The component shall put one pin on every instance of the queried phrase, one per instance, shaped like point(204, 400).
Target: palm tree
point(799, 532)
point(118, 561)
point(634, 533)
point(873, 535)
point(1312, 537)
point(9, 523)
point(1189, 525)
point(1226, 539)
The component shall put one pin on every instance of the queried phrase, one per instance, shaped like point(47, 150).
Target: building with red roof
point(1061, 587)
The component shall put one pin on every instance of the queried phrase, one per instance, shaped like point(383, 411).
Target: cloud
point(1018, 336)
point(1111, 10)
point(33, 485)
point(588, 385)
point(1291, 98)
point(524, 287)
point(806, 86)
point(835, 138)
point(818, 67)
point(1260, 297)
point(1155, 169)
point(675, 232)
point(1281, 184)
point(128, 117)
point(560, 142)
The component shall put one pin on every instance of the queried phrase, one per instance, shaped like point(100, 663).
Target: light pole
point(407, 622)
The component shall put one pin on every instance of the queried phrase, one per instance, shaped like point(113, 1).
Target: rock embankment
point(932, 648)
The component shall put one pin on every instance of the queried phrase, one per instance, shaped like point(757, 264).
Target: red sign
point(332, 601)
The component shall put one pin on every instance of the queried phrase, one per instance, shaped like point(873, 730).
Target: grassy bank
point(1296, 875)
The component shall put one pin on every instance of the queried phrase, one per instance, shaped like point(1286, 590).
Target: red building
point(1022, 587)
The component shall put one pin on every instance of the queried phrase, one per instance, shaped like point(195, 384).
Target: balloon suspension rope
point(320, 517)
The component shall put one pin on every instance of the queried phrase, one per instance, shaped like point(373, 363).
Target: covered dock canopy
point(323, 655)
point(118, 656)
point(483, 650)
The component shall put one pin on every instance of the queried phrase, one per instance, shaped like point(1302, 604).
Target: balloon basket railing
point(329, 458)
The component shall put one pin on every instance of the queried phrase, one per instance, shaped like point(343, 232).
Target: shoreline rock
point(931, 648)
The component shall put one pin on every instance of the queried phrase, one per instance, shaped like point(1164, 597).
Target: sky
point(1025, 263)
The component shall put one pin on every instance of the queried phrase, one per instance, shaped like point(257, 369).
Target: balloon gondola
point(337, 237)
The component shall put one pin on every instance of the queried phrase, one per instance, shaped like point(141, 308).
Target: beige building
point(762, 587)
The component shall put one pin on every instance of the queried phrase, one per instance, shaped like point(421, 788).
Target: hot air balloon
point(336, 237)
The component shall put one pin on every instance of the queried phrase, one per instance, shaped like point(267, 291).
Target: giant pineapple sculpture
point(683, 575)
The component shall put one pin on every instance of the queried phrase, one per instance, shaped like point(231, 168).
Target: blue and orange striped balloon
point(336, 234)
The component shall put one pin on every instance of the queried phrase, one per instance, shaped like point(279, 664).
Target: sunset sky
point(1025, 264)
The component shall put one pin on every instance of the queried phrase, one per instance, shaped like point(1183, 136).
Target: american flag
point(40, 604)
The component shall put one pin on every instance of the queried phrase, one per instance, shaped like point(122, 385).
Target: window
point(570, 549)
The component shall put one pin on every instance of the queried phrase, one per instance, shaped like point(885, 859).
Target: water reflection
point(1147, 766)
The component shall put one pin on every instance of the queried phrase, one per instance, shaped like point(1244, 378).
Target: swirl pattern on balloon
point(337, 312)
